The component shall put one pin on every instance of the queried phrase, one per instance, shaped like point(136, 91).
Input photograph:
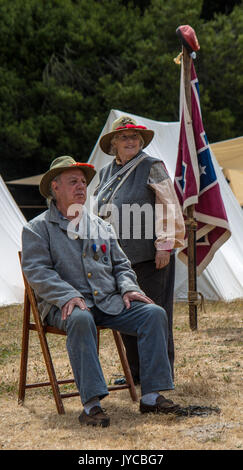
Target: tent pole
point(191, 223)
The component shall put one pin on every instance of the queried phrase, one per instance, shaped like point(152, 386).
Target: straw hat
point(59, 165)
point(121, 124)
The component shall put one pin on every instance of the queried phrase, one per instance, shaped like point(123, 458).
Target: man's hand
point(69, 306)
point(133, 295)
point(162, 258)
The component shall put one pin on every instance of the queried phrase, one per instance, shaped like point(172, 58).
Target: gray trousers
point(158, 284)
point(148, 322)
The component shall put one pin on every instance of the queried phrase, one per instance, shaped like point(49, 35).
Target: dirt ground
point(208, 372)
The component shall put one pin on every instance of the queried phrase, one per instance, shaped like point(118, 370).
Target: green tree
point(149, 84)
point(66, 63)
point(221, 72)
point(30, 33)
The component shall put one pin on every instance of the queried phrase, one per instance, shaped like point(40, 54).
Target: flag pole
point(191, 223)
point(195, 178)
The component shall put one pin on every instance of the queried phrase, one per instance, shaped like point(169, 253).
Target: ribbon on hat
point(130, 126)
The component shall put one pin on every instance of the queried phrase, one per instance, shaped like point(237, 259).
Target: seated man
point(82, 279)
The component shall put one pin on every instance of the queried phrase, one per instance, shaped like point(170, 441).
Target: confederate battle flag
point(196, 181)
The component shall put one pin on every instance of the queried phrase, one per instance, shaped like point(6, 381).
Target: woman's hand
point(162, 258)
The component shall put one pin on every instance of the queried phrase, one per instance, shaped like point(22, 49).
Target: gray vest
point(134, 221)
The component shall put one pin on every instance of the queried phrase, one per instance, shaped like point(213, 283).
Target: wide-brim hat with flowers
point(124, 123)
point(57, 167)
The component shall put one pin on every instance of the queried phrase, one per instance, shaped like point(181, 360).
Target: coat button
point(96, 292)
point(89, 274)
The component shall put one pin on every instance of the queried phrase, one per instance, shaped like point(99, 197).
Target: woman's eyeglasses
point(124, 137)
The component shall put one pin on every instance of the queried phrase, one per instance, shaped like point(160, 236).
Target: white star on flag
point(202, 170)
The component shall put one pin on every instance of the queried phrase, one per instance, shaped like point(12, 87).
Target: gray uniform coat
point(59, 268)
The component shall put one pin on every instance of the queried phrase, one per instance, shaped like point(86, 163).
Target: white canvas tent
point(223, 278)
point(11, 223)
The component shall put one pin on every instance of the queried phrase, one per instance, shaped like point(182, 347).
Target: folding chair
point(31, 305)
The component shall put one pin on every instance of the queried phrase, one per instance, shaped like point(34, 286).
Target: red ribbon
point(103, 247)
point(130, 126)
point(82, 164)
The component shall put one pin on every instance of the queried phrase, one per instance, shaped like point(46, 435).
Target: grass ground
point(208, 372)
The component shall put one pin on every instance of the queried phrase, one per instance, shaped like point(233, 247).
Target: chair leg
point(125, 365)
point(46, 352)
point(51, 372)
point(24, 350)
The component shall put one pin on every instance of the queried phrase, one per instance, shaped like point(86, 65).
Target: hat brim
point(45, 183)
point(105, 141)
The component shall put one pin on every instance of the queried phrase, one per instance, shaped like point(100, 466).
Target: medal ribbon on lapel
point(95, 249)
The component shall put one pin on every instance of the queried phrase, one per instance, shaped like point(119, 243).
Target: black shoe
point(96, 417)
point(162, 405)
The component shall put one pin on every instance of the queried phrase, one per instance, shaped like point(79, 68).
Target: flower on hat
point(130, 126)
point(82, 164)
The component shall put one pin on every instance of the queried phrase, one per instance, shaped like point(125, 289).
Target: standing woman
point(135, 179)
